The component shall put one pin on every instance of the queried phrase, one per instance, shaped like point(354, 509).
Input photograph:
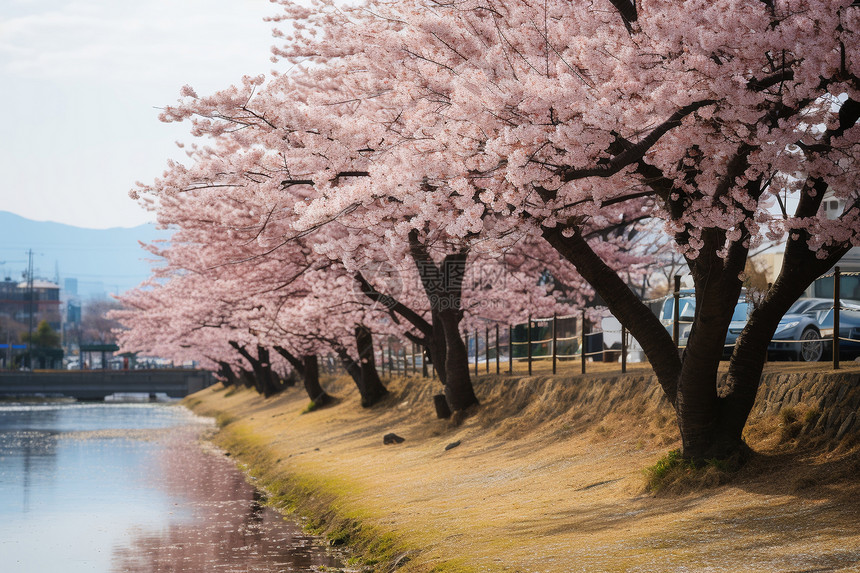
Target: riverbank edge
point(323, 505)
point(319, 506)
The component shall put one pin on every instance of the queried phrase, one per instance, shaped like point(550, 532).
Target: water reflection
point(228, 528)
point(104, 488)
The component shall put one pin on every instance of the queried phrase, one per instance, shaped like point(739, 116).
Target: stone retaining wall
point(835, 395)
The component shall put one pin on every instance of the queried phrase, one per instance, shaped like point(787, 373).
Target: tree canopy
point(430, 135)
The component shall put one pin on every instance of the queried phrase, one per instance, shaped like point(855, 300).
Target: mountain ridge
point(102, 260)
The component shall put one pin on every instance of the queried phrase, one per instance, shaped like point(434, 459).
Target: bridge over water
point(96, 384)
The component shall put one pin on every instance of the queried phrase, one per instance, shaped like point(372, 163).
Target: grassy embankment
point(547, 477)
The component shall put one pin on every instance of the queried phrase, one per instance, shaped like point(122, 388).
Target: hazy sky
point(81, 82)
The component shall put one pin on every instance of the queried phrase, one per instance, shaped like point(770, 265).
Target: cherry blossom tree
point(728, 121)
point(432, 134)
point(293, 159)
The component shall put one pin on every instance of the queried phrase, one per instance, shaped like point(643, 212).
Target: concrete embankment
point(546, 475)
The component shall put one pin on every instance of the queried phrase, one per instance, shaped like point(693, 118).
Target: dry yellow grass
point(548, 477)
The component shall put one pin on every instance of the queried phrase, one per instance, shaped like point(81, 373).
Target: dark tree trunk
point(294, 361)
point(642, 324)
point(698, 404)
point(262, 376)
point(226, 372)
point(271, 381)
point(247, 378)
point(710, 419)
point(433, 338)
point(312, 381)
point(351, 366)
point(308, 368)
point(458, 388)
point(443, 285)
point(371, 388)
point(437, 348)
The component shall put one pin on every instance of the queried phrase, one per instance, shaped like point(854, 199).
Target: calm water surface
point(128, 487)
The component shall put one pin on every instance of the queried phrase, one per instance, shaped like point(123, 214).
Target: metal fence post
point(623, 349)
point(498, 348)
point(487, 348)
point(836, 308)
point(476, 352)
point(554, 341)
point(529, 341)
point(676, 327)
point(584, 345)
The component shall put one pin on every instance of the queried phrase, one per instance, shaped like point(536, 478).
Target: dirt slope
point(547, 477)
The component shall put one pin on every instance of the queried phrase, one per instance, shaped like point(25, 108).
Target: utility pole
point(31, 296)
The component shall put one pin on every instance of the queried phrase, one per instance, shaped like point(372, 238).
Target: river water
point(129, 487)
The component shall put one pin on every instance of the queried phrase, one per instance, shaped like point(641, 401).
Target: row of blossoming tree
point(443, 137)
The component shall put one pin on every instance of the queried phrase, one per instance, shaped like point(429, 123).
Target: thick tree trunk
point(247, 378)
point(225, 371)
point(437, 347)
point(698, 405)
point(312, 381)
point(262, 375)
point(370, 385)
point(271, 381)
point(443, 285)
point(308, 368)
point(458, 389)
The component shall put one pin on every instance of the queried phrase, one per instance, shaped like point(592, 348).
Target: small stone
point(452, 445)
point(392, 439)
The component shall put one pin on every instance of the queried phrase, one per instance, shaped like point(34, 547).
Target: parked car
point(802, 332)
point(798, 334)
point(849, 331)
point(686, 313)
point(736, 326)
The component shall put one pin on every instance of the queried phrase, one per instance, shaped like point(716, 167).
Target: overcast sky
point(81, 82)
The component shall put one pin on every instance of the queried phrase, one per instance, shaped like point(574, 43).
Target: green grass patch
point(674, 474)
point(312, 406)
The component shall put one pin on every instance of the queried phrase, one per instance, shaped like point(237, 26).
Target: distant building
point(70, 285)
point(849, 265)
point(17, 302)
